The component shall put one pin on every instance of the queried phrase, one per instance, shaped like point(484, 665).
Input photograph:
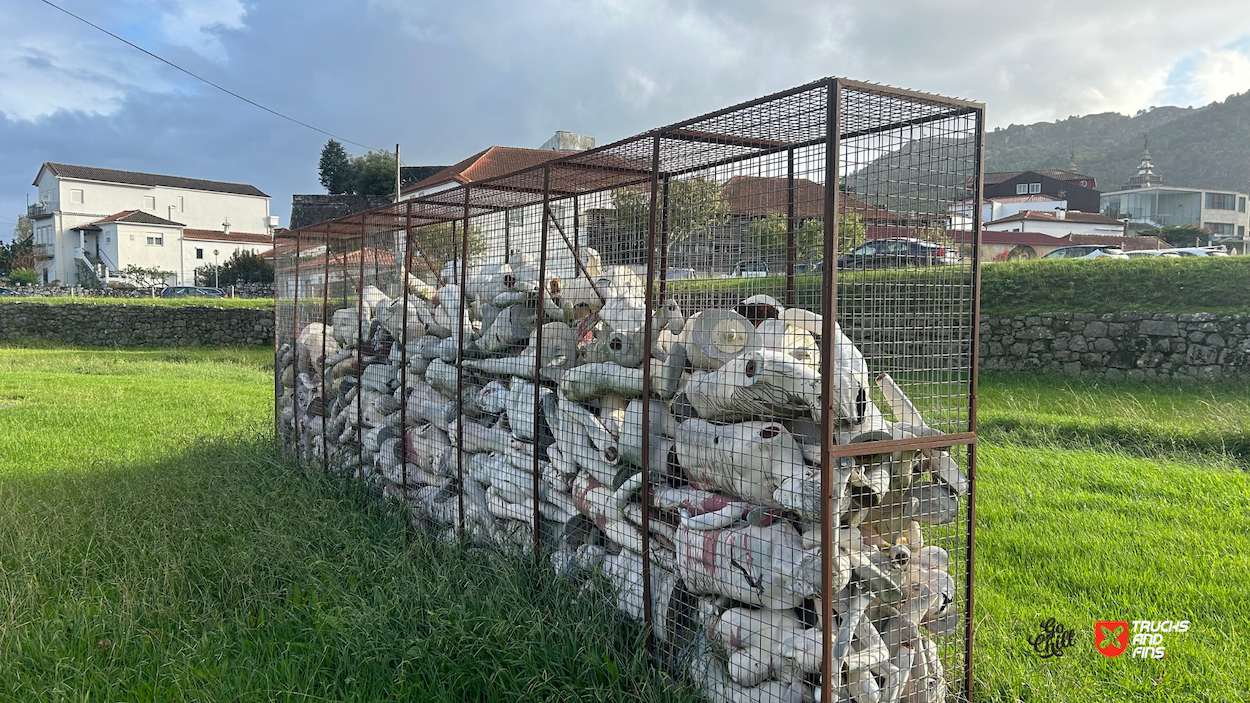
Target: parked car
point(749, 269)
point(897, 252)
point(192, 292)
point(1198, 251)
point(1087, 251)
point(1153, 254)
point(677, 274)
point(8, 291)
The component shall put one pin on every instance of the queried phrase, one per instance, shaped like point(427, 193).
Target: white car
point(1198, 251)
point(1087, 251)
point(1153, 254)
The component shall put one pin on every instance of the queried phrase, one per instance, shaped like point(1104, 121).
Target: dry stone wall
point(136, 325)
point(1115, 346)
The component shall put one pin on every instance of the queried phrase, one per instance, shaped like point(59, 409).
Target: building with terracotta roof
point(1058, 223)
point(91, 223)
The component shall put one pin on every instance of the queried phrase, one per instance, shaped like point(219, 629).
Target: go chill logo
point(1112, 637)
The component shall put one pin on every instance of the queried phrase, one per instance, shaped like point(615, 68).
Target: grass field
point(259, 303)
point(152, 548)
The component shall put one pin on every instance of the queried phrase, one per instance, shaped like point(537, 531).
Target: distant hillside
point(1207, 147)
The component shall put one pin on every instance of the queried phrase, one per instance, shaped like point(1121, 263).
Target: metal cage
point(773, 291)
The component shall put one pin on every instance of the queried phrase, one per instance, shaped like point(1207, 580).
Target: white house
point(90, 223)
point(1057, 223)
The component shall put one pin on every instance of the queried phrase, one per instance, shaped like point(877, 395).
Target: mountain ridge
point(1206, 147)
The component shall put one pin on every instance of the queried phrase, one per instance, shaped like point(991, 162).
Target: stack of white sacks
point(735, 454)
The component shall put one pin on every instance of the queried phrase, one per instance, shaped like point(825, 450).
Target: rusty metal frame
point(829, 301)
point(623, 164)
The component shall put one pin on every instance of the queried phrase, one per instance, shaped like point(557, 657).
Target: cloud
point(1223, 73)
point(58, 63)
point(448, 79)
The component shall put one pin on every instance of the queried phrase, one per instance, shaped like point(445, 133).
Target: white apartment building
point(1222, 213)
point(90, 223)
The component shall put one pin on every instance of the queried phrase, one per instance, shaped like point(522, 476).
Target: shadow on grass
point(226, 573)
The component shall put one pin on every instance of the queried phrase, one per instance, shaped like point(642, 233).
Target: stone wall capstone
point(242, 290)
point(136, 325)
point(1134, 345)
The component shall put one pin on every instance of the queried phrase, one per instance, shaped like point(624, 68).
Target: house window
point(1220, 228)
point(1220, 201)
point(1241, 234)
point(180, 204)
point(1022, 189)
point(75, 196)
point(1241, 205)
point(149, 202)
point(1035, 187)
point(199, 253)
point(156, 240)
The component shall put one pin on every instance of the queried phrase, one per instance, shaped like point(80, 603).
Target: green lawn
point(260, 303)
point(152, 548)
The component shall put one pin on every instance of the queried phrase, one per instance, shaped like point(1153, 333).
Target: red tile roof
point(965, 236)
point(495, 161)
point(219, 236)
point(756, 196)
point(138, 217)
point(1087, 218)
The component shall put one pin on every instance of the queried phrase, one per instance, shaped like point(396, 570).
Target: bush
point(242, 267)
point(25, 277)
point(1207, 284)
point(1155, 285)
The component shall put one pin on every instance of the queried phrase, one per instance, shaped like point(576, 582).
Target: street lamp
point(216, 270)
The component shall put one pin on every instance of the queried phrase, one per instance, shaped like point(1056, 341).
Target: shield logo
point(1111, 637)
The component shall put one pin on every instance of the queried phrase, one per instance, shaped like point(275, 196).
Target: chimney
point(225, 226)
point(1061, 213)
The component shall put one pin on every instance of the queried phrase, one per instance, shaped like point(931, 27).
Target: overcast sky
point(447, 79)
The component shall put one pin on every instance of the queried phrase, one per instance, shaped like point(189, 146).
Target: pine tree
point(337, 175)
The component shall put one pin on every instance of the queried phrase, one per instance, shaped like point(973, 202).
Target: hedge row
point(1018, 288)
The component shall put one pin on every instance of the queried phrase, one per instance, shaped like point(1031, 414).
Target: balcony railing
point(42, 250)
point(39, 209)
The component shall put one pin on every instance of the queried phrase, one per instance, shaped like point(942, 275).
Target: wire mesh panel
point(725, 369)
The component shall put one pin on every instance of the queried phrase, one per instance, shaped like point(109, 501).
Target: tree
point(1179, 236)
point(336, 171)
point(694, 205)
point(242, 267)
point(24, 276)
point(435, 246)
point(769, 233)
point(375, 173)
point(146, 277)
point(24, 230)
point(20, 253)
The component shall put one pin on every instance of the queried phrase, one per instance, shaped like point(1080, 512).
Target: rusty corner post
point(970, 573)
point(403, 354)
point(647, 332)
point(277, 367)
point(325, 319)
point(828, 310)
point(360, 355)
point(538, 349)
point(295, 352)
point(462, 279)
point(791, 254)
point(664, 240)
